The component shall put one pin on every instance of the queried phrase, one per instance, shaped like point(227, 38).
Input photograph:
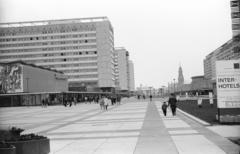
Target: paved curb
point(194, 118)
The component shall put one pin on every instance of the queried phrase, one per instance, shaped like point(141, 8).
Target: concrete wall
point(41, 80)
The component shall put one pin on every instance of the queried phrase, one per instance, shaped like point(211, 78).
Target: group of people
point(105, 101)
point(69, 101)
point(45, 102)
point(172, 102)
point(143, 96)
point(91, 99)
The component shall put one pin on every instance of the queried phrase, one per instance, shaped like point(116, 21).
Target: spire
point(180, 75)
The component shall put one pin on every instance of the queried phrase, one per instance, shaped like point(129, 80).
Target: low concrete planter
point(228, 119)
point(32, 146)
point(8, 150)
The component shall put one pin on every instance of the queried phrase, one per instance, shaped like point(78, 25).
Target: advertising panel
point(11, 78)
point(228, 83)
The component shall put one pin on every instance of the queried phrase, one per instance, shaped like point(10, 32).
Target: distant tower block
point(235, 15)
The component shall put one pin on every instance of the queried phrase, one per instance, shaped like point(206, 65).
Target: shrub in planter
point(16, 131)
point(30, 144)
point(7, 133)
point(6, 148)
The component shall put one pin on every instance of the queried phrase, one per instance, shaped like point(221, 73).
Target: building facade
point(27, 84)
point(132, 80)
point(82, 48)
point(228, 51)
point(20, 77)
point(207, 65)
point(235, 4)
point(122, 68)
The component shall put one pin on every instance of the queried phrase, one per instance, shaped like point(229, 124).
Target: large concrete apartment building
point(122, 68)
point(82, 48)
point(132, 80)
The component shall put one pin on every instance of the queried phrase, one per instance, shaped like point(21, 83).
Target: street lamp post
point(174, 86)
point(27, 92)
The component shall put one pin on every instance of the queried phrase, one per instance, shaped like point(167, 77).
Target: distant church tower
point(180, 76)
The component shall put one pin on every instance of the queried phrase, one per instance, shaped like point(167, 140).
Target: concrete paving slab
point(133, 127)
point(226, 131)
point(182, 132)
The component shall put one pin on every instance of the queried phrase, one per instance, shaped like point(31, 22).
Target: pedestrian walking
point(43, 103)
point(172, 102)
point(101, 102)
point(118, 100)
point(164, 108)
point(65, 102)
point(46, 102)
point(85, 99)
point(106, 102)
point(138, 97)
point(70, 102)
point(150, 97)
point(114, 100)
point(97, 99)
point(144, 97)
point(75, 100)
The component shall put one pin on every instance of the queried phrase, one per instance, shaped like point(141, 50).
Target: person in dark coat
point(65, 102)
point(70, 101)
point(118, 100)
point(138, 97)
point(43, 103)
point(150, 97)
point(172, 102)
point(164, 108)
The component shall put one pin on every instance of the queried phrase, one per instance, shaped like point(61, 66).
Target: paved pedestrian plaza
point(134, 127)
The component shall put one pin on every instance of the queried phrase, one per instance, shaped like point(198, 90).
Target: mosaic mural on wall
point(11, 78)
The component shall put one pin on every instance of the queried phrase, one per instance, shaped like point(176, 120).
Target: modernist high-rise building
point(132, 80)
point(225, 52)
point(82, 48)
point(235, 15)
point(229, 50)
point(122, 68)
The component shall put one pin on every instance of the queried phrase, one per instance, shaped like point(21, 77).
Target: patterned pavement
point(134, 127)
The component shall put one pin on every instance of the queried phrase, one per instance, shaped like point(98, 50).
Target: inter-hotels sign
point(228, 83)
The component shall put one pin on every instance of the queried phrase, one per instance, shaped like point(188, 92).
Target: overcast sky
point(159, 34)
